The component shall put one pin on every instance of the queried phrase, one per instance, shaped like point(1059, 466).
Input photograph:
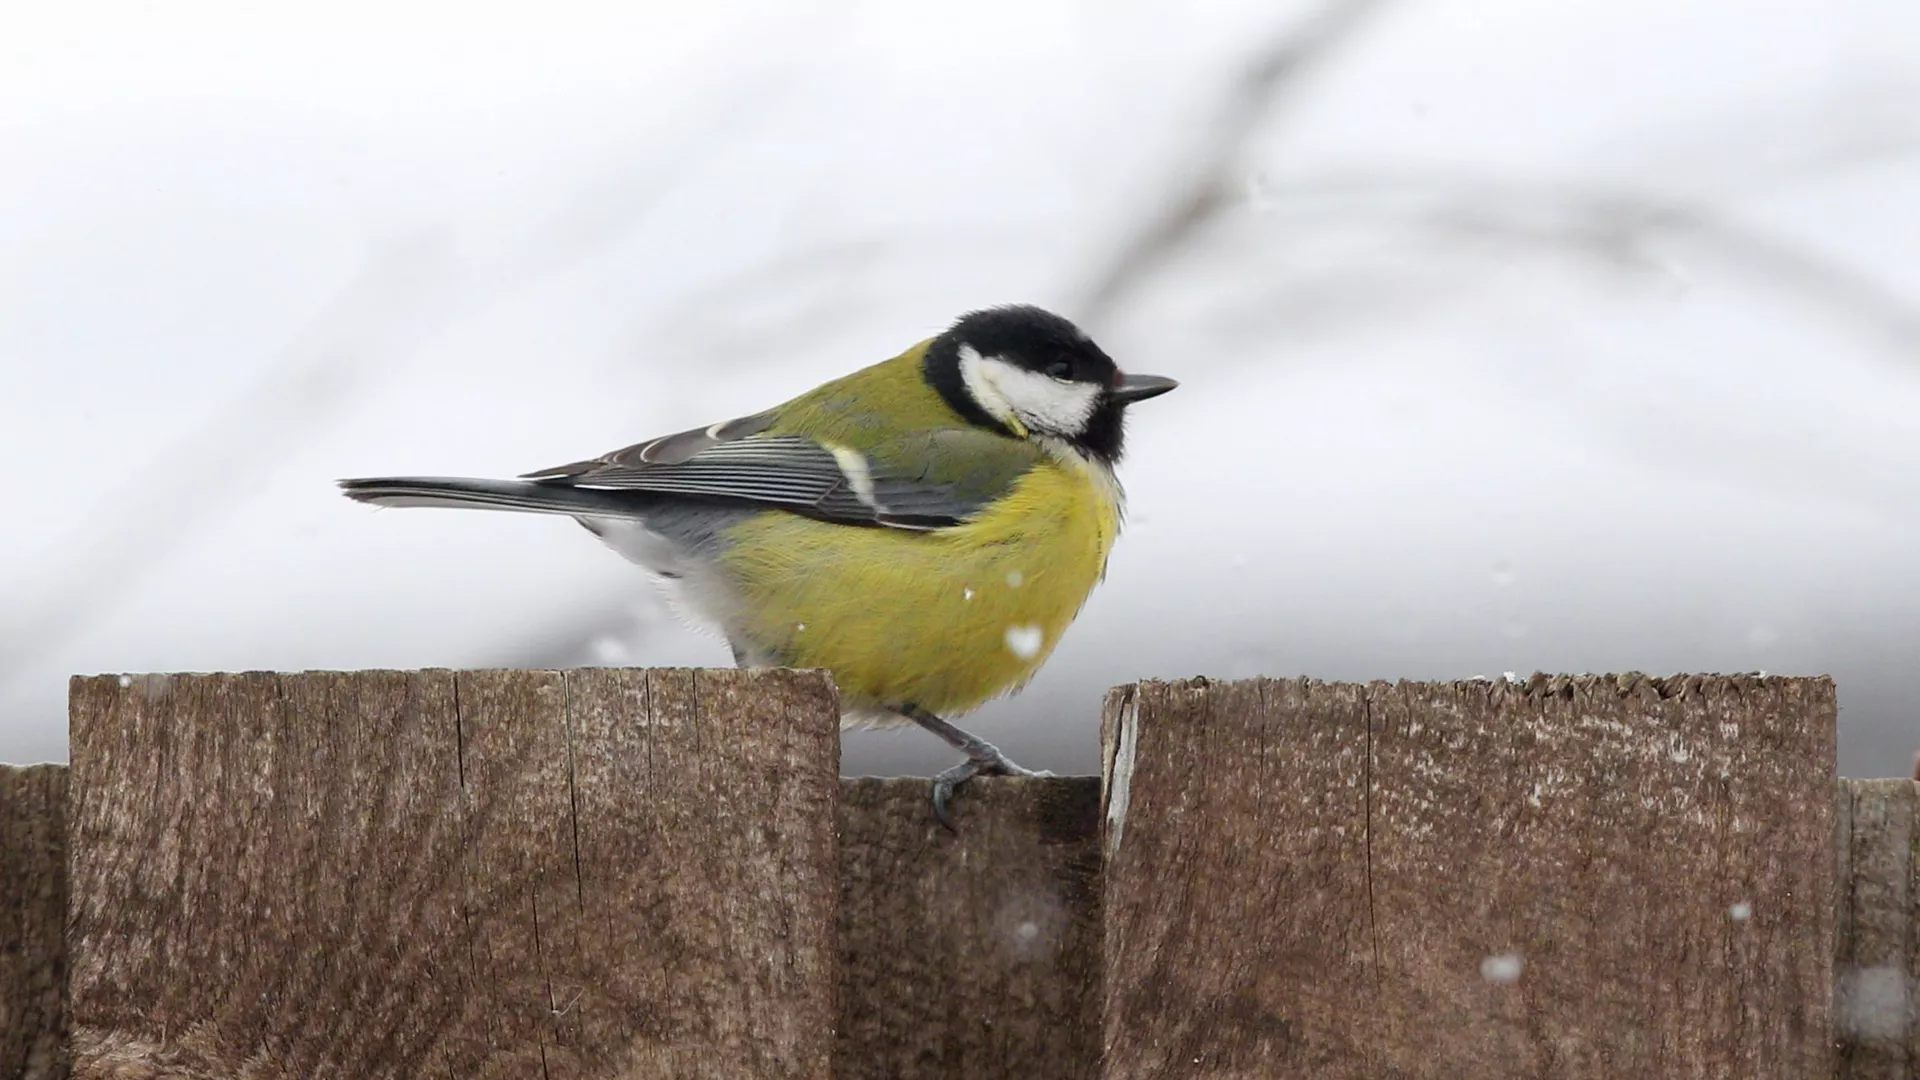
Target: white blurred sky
point(1578, 336)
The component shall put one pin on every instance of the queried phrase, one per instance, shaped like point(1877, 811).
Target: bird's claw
point(983, 760)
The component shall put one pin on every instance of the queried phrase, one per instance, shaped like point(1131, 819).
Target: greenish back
point(907, 431)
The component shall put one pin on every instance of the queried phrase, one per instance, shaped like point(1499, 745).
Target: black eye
point(1060, 369)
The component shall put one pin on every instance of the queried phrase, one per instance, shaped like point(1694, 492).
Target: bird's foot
point(983, 759)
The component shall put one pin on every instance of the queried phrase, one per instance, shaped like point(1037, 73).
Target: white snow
point(1504, 350)
point(1025, 641)
point(1503, 968)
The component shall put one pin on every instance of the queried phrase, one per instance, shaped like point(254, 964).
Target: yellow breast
point(945, 620)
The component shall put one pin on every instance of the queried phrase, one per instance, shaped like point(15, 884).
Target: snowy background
point(1580, 336)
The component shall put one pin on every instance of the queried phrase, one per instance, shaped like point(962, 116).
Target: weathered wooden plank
point(976, 956)
point(1655, 854)
point(33, 907)
point(1876, 1006)
point(1236, 922)
point(1589, 877)
point(998, 1019)
point(715, 851)
point(607, 873)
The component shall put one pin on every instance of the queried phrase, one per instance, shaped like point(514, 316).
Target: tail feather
point(461, 492)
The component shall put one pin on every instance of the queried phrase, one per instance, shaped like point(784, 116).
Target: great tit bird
point(924, 529)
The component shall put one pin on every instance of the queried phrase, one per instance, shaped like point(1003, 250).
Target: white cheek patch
point(1030, 399)
point(973, 373)
point(1042, 403)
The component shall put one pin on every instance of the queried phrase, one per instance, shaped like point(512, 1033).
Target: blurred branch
point(1615, 227)
point(1765, 144)
point(152, 514)
point(1647, 235)
point(407, 291)
point(1207, 180)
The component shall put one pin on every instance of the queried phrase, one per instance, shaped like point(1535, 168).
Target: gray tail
point(524, 495)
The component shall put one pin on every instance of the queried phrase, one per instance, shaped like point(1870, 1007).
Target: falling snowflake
point(1025, 641)
point(1504, 968)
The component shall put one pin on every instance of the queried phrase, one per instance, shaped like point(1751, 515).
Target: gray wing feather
point(787, 471)
point(734, 463)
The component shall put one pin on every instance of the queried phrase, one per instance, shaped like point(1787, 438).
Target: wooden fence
point(658, 874)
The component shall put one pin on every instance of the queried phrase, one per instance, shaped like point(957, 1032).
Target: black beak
point(1134, 388)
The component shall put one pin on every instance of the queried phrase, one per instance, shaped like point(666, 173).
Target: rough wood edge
point(495, 777)
point(1539, 687)
point(1848, 791)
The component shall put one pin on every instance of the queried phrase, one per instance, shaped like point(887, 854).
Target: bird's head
point(1030, 373)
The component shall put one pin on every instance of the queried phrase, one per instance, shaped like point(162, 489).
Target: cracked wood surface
point(1574, 877)
point(512, 874)
point(466, 948)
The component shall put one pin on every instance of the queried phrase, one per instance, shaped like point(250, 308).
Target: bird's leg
point(983, 759)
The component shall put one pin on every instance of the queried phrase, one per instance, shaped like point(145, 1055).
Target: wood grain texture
point(423, 874)
point(1877, 954)
point(1585, 877)
point(973, 956)
point(392, 874)
point(33, 910)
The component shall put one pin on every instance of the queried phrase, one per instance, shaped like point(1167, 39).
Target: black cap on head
point(1032, 338)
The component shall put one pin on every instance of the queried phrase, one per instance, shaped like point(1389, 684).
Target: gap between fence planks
point(1013, 906)
point(974, 957)
point(1876, 994)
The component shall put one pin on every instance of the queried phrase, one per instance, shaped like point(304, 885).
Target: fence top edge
point(257, 673)
point(1538, 684)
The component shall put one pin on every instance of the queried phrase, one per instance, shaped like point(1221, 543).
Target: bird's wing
point(927, 480)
